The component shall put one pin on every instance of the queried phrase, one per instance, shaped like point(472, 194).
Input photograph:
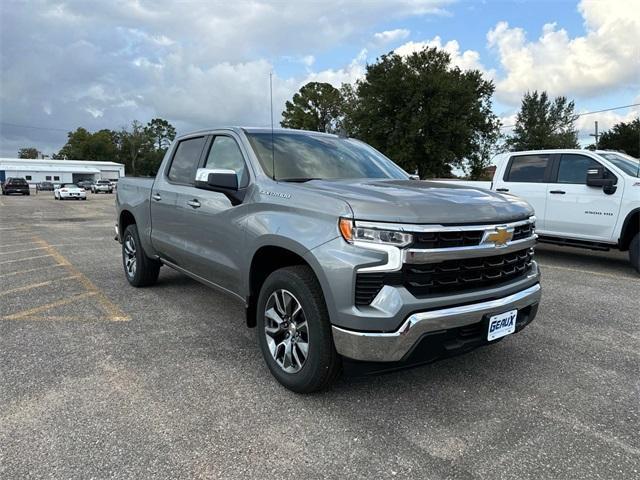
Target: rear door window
point(528, 168)
point(185, 160)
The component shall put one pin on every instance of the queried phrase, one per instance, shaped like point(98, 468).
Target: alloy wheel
point(130, 256)
point(286, 331)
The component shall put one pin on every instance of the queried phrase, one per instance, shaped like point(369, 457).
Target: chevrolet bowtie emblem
point(500, 237)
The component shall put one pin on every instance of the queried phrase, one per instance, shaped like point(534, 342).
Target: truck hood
point(415, 201)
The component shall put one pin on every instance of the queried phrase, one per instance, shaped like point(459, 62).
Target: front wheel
point(294, 331)
point(140, 270)
point(634, 252)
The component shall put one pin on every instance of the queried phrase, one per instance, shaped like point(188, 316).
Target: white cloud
point(389, 36)
point(467, 60)
point(103, 64)
point(607, 56)
point(336, 77)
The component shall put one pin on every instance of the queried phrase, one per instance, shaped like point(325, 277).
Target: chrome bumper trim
point(418, 228)
point(434, 255)
point(393, 346)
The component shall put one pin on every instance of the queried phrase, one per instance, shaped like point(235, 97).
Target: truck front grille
point(467, 274)
point(450, 276)
point(448, 239)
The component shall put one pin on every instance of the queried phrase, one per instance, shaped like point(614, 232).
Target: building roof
point(49, 168)
point(28, 162)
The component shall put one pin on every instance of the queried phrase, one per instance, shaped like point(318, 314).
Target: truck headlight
point(351, 232)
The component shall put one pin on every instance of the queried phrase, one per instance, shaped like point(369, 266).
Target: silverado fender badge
point(275, 194)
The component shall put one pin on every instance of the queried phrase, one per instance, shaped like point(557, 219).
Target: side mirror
point(596, 178)
point(414, 177)
point(222, 181)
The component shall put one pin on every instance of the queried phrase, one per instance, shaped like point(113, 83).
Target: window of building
point(28, 177)
point(55, 177)
point(48, 177)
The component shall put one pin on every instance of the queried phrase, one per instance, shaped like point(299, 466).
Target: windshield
point(626, 163)
point(69, 185)
point(300, 157)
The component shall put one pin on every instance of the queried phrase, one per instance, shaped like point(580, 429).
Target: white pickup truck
point(582, 198)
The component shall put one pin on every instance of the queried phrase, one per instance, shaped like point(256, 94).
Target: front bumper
point(397, 346)
point(69, 195)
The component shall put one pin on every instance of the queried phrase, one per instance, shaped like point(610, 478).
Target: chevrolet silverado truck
point(341, 260)
point(581, 198)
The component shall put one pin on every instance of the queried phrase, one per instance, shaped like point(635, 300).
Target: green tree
point(623, 137)
point(84, 145)
point(316, 106)
point(28, 152)
point(162, 133)
point(543, 123)
point(423, 112)
point(134, 147)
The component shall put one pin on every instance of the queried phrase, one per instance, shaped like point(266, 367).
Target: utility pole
point(596, 135)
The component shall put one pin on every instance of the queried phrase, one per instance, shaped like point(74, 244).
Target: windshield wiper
point(298, 179)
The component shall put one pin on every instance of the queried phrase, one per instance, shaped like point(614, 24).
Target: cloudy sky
point(101, 64)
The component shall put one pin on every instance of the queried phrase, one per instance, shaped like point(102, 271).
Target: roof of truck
point(239, 129)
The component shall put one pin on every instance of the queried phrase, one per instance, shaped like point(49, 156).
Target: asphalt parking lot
point(100, 380)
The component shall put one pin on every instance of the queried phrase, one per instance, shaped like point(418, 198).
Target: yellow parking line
point(22, 251)
point(589, 272)
point(32, 286)
point(114, 312)
point(43, 308)
point(16, 244)
point(31, 270)
point(25, 259)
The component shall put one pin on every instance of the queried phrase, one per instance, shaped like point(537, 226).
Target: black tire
point(322, 364)
point(146, 270)
point(634, 252)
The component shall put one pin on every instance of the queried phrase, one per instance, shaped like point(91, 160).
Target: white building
point(59, 171)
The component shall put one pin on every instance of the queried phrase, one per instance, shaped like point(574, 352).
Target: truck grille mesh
point(448, 276)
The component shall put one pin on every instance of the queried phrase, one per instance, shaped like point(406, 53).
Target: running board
point(571, 242)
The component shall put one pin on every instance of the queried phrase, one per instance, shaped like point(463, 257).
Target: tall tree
point(28, 152)
point(423, 112)
point(162, 133)
point(623, 137)
point(544, 123)
point(84, 145)
point(316, 106)
point(134, 145)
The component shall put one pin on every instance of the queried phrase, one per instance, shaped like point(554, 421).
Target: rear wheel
point(140, 270)
point(634, 252)
point(294, 331)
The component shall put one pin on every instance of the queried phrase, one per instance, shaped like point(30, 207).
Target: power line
point(591, 113)
point(34, 127)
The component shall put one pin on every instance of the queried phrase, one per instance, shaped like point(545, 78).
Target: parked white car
point(103, 186)
point(69, 190)
point(581, 198)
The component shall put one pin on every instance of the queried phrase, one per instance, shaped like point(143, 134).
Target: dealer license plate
point(502, 324)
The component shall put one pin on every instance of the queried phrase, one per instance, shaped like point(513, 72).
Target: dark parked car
point(86, 184)
point(15, 185)
point(44, 187)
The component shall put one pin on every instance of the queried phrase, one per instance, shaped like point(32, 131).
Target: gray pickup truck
point(340, 258)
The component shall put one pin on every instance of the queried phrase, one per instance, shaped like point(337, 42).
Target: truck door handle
point(156, 197)
point(194, 203)
point(558, 192)
point(502, 189)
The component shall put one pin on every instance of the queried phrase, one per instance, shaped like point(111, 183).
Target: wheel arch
point(125, 219)
point(266, 260)
point(630, 228)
